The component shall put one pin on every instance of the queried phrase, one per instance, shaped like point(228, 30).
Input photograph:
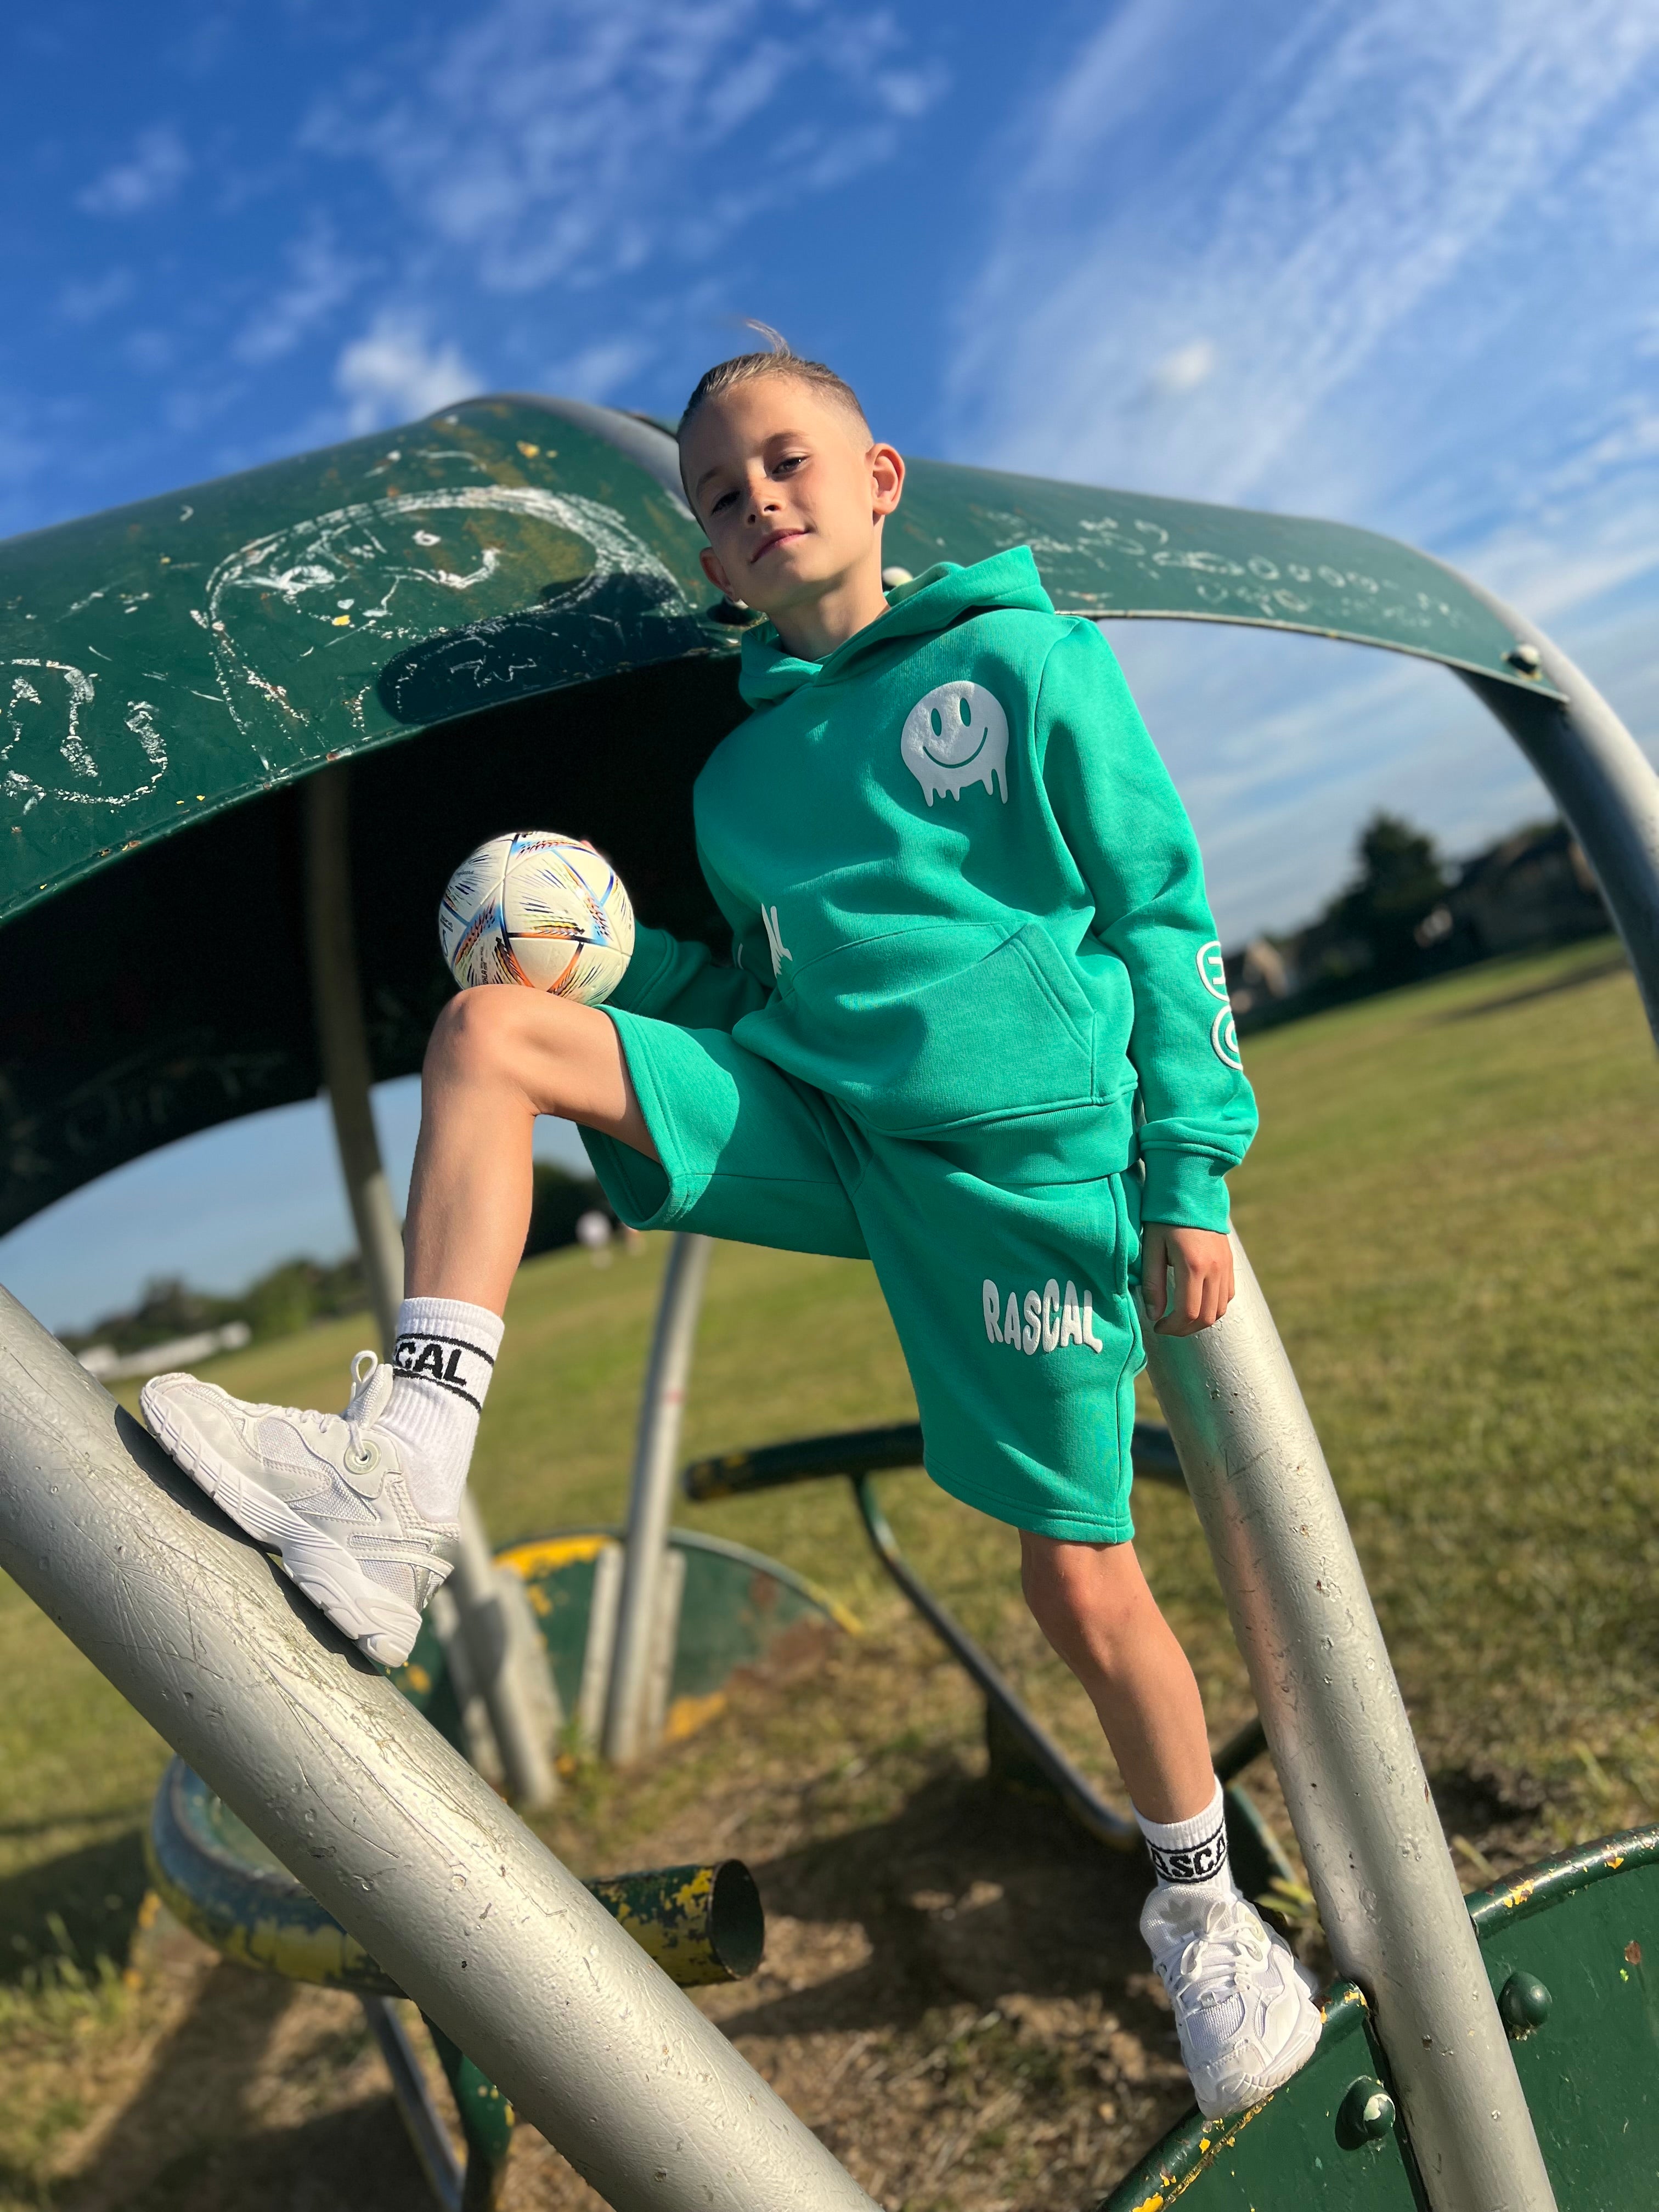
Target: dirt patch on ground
point(954, 1994)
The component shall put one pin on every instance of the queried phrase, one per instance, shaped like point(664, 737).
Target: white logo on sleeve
point(1223, 1040)
point(955, 737)
point(1211, 968)
point(780, 951)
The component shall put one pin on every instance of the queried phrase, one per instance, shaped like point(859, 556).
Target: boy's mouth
point(777, 537)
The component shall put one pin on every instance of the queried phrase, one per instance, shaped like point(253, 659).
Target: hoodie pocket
point(1010, 1034)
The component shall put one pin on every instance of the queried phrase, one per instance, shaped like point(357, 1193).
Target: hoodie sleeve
point(1128, 832)
point(674, 982)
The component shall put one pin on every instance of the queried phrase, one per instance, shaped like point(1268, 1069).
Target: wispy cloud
point(149, 177)
point(320, 278)
point(1390, 263)
point(585, 143)
point(395, 371)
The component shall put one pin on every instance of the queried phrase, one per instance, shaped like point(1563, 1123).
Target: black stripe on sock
point(454, 1390)
point(1195, 1862)
point(434, 1336)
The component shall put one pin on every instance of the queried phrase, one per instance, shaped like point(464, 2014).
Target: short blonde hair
point(778, 360)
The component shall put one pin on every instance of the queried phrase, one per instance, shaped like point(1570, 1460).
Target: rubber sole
point(1288, 2064)
point(320, 1567)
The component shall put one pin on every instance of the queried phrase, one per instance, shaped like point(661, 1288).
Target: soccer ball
point(539, 909)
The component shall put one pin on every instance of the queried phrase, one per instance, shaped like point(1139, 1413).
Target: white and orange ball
point(539, 909)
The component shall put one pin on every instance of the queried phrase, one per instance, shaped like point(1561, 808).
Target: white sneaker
point(1243, 2007)
point(324, 1491)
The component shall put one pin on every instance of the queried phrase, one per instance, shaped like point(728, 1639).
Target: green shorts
point(1010, 1296)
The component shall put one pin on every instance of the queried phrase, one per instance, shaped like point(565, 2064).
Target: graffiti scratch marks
point(45, 711)
point(404, 565)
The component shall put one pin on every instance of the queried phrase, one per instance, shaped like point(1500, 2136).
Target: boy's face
point(791, 496)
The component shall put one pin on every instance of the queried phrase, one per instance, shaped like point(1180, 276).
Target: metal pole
point(343, 1043)
point(650, 1497)
point(1353, 1779)
point(1599, 777)
point(385, 1825)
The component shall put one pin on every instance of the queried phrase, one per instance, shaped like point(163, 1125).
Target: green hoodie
point(964, 897)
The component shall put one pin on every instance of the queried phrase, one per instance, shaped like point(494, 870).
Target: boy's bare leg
point(1243, 2012)
point(498, 1058)
point(1091, 1602)
point(362, 1507)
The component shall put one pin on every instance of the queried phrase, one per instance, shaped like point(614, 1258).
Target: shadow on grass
point(72, 1910)
point(1593, 971)
point(198, 2133)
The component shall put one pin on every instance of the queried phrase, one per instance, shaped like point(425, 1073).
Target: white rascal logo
point(957, 735)
point(1043, 1320)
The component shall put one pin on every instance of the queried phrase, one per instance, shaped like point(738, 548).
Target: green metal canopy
point(497, 613)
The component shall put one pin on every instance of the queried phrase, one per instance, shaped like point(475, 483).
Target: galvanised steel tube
point(1600, 778)
point(650, 1497)
point(384, 1823)
point(1348, 1761)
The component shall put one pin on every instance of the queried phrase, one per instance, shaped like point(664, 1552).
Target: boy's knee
point(1083, 1597)
point(483, 1031)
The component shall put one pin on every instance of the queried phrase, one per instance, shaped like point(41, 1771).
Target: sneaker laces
point(365, 1405)
point(1215, 1951)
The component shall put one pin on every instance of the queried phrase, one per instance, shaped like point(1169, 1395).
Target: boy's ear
point(886, 479)
point(715, 573)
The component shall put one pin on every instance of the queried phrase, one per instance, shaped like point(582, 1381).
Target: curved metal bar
point(390, 1828)
point(1600, 778)
point(1353, 1782)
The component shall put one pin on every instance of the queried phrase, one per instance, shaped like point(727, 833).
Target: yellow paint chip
point(343, 622)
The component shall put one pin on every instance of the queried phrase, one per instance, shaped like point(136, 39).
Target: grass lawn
point(1454, 1209)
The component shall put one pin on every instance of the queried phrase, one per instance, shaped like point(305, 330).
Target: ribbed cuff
point(1186, 1190)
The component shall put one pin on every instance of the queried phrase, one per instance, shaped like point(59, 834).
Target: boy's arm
point(681, 983)
point(1128, 832)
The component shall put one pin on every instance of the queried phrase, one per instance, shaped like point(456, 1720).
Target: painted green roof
point(185, 653)
point(498, 612)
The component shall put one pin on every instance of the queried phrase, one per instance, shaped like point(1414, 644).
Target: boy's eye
point(788, 465)
point(725, 499)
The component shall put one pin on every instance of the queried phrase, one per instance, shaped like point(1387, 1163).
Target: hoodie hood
point(942, 595)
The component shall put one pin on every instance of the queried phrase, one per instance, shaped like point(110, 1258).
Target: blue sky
point(1388, 260)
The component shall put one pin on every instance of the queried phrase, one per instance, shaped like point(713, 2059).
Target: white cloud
point(151, 174)
point(394, 373)
point(1418, 244)
point(1184, 369)
point(598, 371)
point(582, 143)
point(88, 300)
point(320, 277)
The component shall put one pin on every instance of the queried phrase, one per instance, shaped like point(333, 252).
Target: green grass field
point(1454, 1208)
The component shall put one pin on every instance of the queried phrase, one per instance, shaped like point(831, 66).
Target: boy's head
point(782, 473)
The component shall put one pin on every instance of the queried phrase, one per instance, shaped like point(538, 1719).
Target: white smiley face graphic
point(955, 737)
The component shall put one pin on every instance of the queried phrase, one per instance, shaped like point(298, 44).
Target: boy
point(970, 941)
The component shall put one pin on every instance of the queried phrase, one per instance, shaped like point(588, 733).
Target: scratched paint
point(399, 566)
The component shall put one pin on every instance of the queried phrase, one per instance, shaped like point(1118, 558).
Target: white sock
point(444, 1356)
point(1189, 1857)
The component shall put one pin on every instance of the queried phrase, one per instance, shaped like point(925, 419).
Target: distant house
point(1533, 888)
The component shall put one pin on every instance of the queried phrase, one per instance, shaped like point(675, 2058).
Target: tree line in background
point(1408, 914)
point(301, 1292)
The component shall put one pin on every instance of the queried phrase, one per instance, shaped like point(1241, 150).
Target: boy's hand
point(1202, 1260)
